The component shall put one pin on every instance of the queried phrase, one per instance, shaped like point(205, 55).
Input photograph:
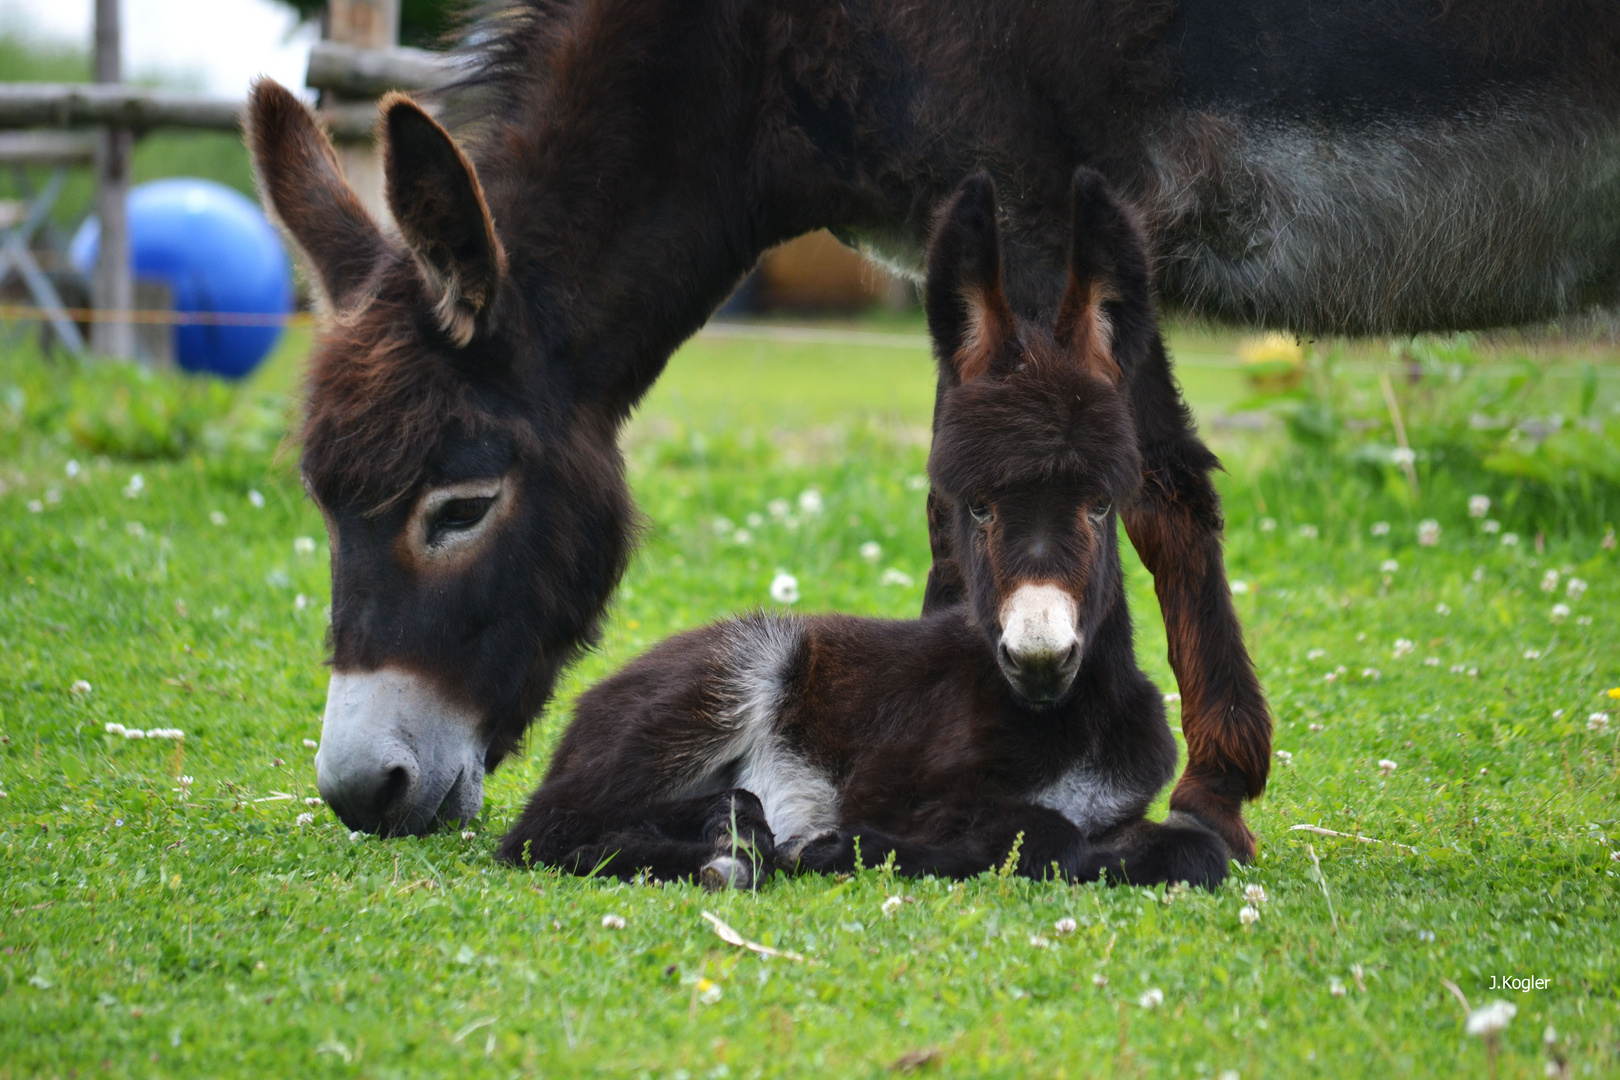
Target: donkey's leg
point(722, 839)
point(1146, 852)
point(1175, 524)
point(1047, 844)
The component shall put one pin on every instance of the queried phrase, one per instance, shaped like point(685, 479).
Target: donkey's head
point(477, 514)
point(1034, 446)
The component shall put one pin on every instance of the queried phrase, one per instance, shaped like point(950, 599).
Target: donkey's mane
point(1047, 423)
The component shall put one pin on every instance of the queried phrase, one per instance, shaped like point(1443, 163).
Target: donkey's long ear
point(299, 176)
point(969, 318)
point(439, 206)
point(1108, 294)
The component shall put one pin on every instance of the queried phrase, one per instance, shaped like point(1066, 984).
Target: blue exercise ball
point(217, 254)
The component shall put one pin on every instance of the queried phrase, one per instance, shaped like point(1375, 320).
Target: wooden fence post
point(365, 24)
point(113, 288)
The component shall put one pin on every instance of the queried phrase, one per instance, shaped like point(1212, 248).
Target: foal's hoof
point(725, 872)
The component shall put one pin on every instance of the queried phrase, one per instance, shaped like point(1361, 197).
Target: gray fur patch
point(1094, 801)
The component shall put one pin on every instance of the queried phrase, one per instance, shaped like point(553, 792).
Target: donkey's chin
point(1040, 690)
point(397, 757)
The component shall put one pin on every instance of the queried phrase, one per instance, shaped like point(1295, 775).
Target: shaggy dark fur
point(812, 743)
point(1338, 166)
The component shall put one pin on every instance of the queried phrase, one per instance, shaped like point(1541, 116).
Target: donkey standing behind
point(1017, 721)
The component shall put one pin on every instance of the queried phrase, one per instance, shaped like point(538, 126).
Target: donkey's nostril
point(1008, 660)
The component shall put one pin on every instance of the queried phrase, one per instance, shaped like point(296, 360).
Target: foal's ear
point(1108, 276)
point(969, 318)
point(300, 179)
point(439, 206)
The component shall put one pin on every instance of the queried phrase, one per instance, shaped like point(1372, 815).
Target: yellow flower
point(1614, 692)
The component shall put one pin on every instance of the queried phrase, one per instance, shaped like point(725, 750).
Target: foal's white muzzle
point(1040, 645)
point(396, 756)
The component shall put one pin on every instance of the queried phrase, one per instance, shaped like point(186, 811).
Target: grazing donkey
point(1016, 721)
point(1336, 166)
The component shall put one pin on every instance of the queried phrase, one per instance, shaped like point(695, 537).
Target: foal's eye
point(1099, 514)
point(460, 514)
point(984, 515)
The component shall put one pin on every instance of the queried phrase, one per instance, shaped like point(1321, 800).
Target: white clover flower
point(1332, 676)
point(723, 525)
point(1510, 539)
point(185, 781)
point(613, 922)
point(73, 469)
point(1389, 566)
point(1371, 673)
point(136, 485)
point(810, 503)
point(1316, 654)
point(1386, 766)
point(300, 602)
point(1248, 915)
point(355, 836)
point(1336, 986)
point(708, 992)
point(871, 551)
point(1598, 722)
point(784, 588)
point(1065, 925)
point(894, 576)
point(1268, 524)
point(1380, 528)
point(135, 528)
point(1532, 654)
point(1428, 532)
point(35, 506)
point(1239, 588)
point(306, 819)
point(217, 517)
point(1442, 608)
point(1099, 980)
point(1151, 998)
point(1574, 588)
point(1285, 757)
point(891, 905)
point(1479, 505)
point(314, 800)
point(1038, 942)
point(1402, 455)
point(304, 545)
point(1172, 699)
point(311, 744)
point(256, 499)
point(1431, 661)
point(468, 834)
point(53, 495)
point(1491, 526)
point(779, 508)
point(1309, 532)
point(1559, 612)
point(79, 687)
point(1230, 1074)
point(1489, 1019)
point(1318, 727)
point(1549, 581)
point(1255, 894)
point(1404, 646)
point(742, 536)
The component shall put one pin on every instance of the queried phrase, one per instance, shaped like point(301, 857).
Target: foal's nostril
point(1008, 660)
point(1072, 656)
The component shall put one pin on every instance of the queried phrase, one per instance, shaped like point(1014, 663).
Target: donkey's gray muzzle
point(396, 756)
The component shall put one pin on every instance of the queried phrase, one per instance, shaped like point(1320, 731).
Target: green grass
point(155, 931)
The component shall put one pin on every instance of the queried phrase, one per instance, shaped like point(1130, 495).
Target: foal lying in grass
point(1016, 723)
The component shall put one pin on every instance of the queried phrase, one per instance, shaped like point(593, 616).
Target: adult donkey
point(1343, 166)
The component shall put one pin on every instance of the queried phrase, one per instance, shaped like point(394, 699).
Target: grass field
point(226, 924)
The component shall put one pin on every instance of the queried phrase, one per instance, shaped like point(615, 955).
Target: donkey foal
point(1014, 723)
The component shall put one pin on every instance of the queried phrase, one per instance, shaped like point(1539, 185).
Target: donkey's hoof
point(725, 872)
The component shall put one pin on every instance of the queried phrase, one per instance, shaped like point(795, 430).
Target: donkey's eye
point(461, 514)
point(984, 515)
point(1100, 513)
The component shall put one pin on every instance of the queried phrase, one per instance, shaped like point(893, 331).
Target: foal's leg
point(1175, 523)
point(1047, 843)
point(1146, 853)
point(722, 840)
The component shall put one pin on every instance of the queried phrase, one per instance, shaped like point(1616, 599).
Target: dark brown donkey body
point(1017, 719)
point(1344, 165)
